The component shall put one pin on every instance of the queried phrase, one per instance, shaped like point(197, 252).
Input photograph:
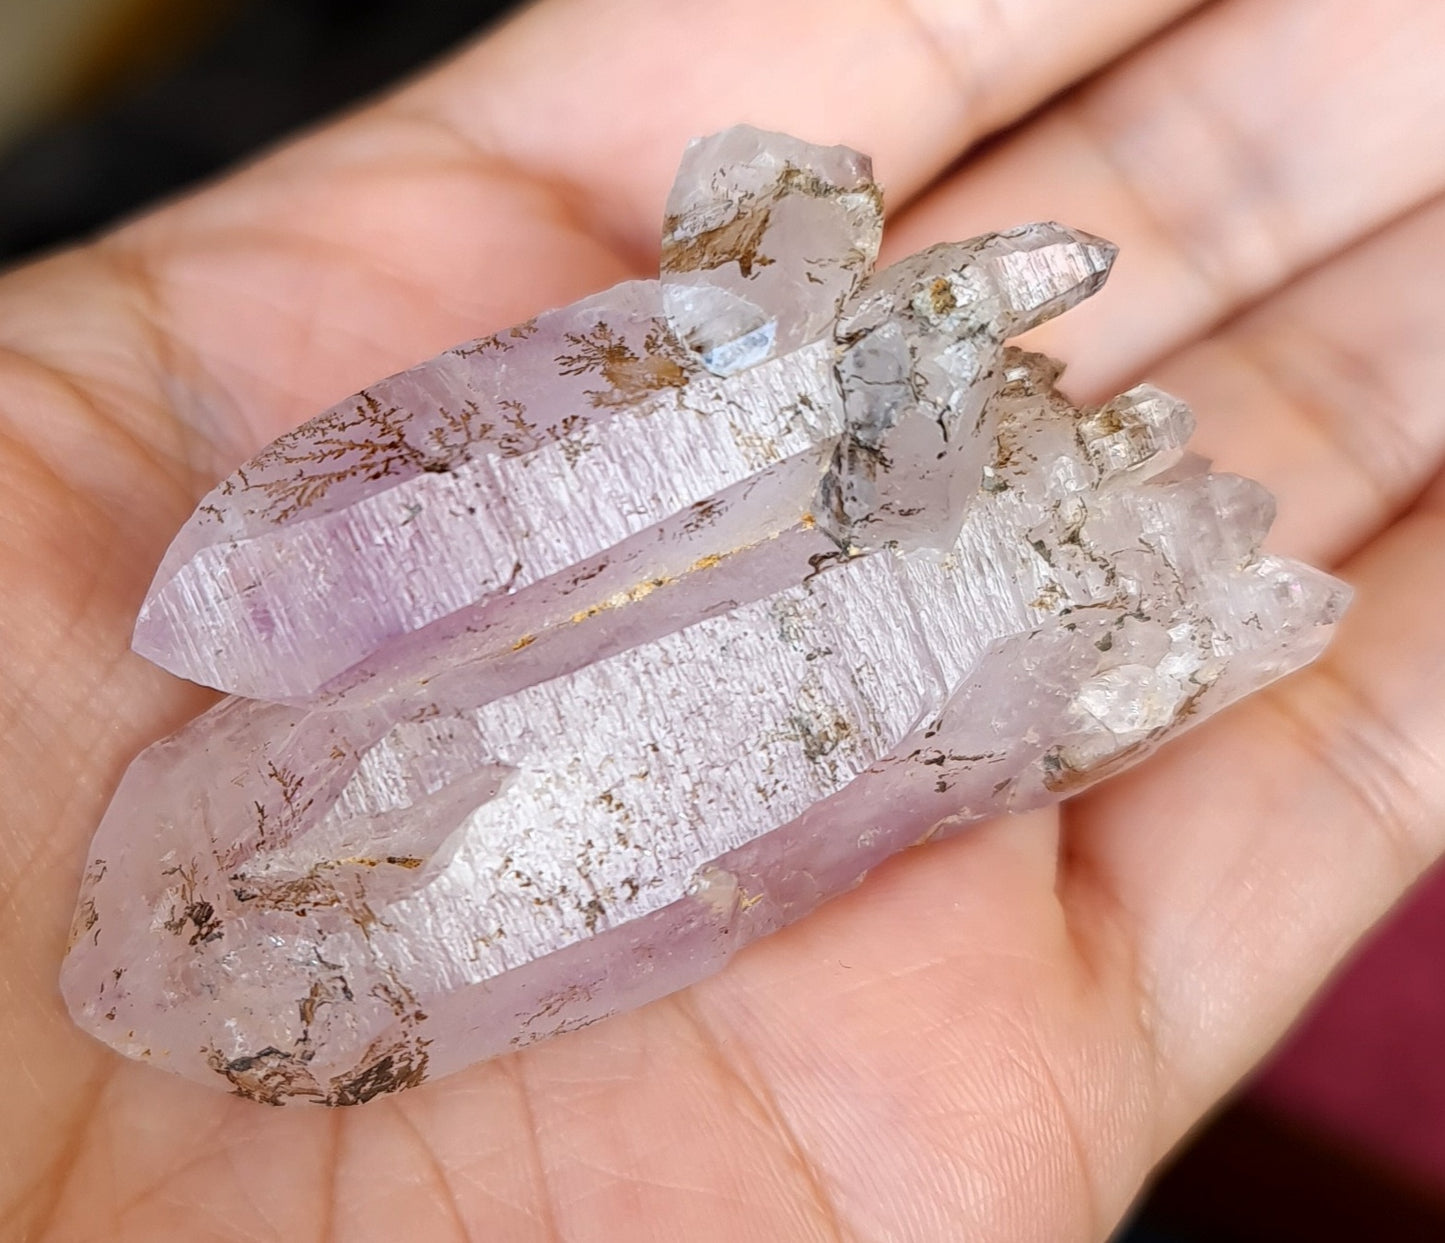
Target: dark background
point(174, 96)
point(230, 82)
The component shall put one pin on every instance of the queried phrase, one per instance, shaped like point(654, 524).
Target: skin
point(995, 1038)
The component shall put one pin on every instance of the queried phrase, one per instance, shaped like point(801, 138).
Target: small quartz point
point(572, 660)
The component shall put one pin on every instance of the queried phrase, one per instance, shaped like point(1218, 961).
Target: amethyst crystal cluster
point(572, 660)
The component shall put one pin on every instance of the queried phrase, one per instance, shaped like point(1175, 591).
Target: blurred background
point(106, 105)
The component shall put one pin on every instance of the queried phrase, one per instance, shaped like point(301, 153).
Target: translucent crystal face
point(583, 654)
point(919, 348)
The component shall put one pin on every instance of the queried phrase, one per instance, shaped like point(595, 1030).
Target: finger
point(913, 84)
point(1245, 145)
point(533, 169)
point(1246, 859)
point(1328, 392)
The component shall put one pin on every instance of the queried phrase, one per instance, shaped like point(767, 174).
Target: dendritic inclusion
point(567, 663)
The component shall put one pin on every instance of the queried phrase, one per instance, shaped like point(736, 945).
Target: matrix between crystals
point(572, 660)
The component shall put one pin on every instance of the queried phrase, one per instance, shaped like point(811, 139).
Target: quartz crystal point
point(584, 654)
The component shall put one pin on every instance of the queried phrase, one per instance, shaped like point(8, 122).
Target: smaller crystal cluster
point(572, 660)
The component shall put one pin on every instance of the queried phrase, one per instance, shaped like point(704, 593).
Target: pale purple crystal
point(601, 647)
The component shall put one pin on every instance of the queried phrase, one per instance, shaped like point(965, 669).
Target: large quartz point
point(584, 654)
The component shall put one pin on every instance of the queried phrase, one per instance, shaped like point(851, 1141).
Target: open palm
point(993, 1039)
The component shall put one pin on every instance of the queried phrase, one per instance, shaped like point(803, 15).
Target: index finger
point(912, 83)
point(532, 168)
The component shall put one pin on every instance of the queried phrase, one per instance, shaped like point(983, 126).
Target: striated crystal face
point(574, 659)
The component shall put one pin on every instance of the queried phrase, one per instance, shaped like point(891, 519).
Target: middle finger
point(1247, 144)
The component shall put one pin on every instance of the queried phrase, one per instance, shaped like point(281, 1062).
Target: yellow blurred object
point(57, 55)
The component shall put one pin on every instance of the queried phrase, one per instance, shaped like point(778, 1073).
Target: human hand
point(996, 1037)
